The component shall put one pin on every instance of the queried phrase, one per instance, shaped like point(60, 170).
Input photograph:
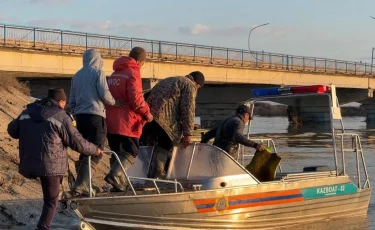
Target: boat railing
point(268, 142)
point(176, 184)
point(356, 147)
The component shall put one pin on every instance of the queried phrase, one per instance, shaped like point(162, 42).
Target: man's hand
point(97, 157)
point(149, 117)
point(98, 152)
point(119, 103)
point(186, 141)
point(260, 147)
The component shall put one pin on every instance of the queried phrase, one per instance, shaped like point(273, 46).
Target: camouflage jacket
point(172, 103)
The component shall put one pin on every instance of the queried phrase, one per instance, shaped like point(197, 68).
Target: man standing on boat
point(125, 124)
point(45, 131)
point(88, 96)
point(172, 103)
point(230, 133)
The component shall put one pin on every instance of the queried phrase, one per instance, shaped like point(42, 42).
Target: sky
point(339, 29)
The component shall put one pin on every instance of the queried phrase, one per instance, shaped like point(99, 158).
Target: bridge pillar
point(315, 109)
point(369, 107)
point(314, 114)
point(217, 102)
point(311, 110)
point(370, 114)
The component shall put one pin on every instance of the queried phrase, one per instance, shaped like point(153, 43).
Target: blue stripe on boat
point(247, 201)
point(205, 206)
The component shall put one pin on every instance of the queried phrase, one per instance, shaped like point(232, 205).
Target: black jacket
point(45, 131)
point(229, 134)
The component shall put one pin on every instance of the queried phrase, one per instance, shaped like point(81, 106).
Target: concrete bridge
point(49, 57)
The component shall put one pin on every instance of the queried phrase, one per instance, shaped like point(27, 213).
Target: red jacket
point(125, 84)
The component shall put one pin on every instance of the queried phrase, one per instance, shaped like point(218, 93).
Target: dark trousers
point(94, 129)
point(50, 188)
point(123, 145)
point(153, 134)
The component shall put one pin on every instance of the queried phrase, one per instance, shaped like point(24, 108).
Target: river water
point(309, 145)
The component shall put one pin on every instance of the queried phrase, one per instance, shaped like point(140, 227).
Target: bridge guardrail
point(76, 42)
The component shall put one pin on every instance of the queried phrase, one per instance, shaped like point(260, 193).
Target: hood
point(93, 59)
point(124, 63)
point(43, 109)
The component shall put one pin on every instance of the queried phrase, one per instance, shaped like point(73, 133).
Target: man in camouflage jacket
point(172, 103)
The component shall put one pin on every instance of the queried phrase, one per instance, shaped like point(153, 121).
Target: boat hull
point(265, 206)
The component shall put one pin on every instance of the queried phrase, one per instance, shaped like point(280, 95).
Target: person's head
point(198, 78)
point(245, 112)
point(139, 54)
point(93, 58)
point(58, 94)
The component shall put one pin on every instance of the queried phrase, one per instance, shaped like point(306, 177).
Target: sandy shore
point(21, 198)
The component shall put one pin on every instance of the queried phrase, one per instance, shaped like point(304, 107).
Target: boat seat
point(294, 176)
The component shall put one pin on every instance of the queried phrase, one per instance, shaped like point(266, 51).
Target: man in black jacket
point(230, 133)
point(45, 131)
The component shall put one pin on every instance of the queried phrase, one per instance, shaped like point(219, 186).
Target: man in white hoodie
point(88, 96)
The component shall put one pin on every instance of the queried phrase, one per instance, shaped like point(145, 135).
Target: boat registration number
point(330, 190)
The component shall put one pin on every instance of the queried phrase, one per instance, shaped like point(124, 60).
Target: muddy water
point(310, 145)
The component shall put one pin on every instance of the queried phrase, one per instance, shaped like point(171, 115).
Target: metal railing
point(129, 179)
point(54, 40)
point(356, 148)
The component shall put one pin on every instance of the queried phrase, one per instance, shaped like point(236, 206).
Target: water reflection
point(309, 128)
point(311, 144)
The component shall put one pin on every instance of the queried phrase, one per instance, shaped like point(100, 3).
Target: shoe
point(158, 163)
point(81, 185)
point(83, 192)
point(115, 182)
point(116, 176)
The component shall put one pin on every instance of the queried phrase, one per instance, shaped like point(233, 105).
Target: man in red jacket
point(125, 124)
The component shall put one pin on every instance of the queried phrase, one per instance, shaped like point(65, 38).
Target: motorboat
point(206, 188)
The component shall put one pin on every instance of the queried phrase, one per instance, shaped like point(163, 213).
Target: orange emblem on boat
point(221, 204)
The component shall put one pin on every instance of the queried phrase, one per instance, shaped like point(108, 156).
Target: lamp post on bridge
point(248, 40)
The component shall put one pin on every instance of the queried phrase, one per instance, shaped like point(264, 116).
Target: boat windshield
point(201, 161)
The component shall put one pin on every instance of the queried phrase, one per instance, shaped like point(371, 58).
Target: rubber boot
point(159, 161)
point(116, 176)
point(95, 187)
point(81, 185)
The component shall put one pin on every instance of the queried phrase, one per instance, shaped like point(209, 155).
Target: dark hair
point(242, 109)
point(138, 53)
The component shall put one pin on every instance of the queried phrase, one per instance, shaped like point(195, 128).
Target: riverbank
point(20, 198)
